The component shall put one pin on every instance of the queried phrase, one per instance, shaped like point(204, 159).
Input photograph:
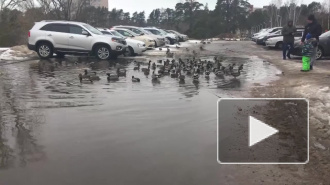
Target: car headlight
point(116, 40)
point(140, 45)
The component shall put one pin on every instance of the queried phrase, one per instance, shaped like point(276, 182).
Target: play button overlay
point(263, 131)
point(258, 131)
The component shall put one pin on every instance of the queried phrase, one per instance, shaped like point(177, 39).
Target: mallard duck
point(219, 73)
point(207, 74)
point(145, 69)
point(196, 76)
point(112, 77)
point(135, 79)
point(168, 50)
point(94, 77)
point(182, 77)
point(147, 72)
point(85, 76)
point(236, 74)
point(240, 67)
point(169, 55)
point(137, 67)
point(121, 72)
point(174, 75)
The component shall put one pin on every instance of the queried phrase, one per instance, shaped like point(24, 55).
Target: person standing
point(315, 30)
point(288, 39)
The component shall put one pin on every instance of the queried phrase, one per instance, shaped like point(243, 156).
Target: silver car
point(63, 37)
point(160, 40)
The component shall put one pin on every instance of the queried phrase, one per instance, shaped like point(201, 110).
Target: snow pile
point(16, 53)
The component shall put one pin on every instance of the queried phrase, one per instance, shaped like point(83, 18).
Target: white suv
point(62, 37)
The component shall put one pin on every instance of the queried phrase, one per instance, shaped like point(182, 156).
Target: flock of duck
point(194, 68)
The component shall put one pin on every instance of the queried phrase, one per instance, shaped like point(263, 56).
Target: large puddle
point(56, 131)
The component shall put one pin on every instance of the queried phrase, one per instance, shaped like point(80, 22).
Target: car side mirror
point(84, 32)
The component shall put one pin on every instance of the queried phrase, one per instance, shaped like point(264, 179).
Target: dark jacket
point(314, 28)
point(288, 33)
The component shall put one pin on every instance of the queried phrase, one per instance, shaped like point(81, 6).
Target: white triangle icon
point(258, 131)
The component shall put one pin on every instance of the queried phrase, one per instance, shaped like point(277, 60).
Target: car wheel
point(319, 53)
point(102, 52)
point(60, 55)
point(45, 50)
point(279, 45)
point(129, 52)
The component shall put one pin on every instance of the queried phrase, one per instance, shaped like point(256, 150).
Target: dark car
point(323, 49)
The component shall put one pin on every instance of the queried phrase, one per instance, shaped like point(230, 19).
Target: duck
point(196, 76)
point(236, 74)
point(121, 72)
point(154, 76)
point(146, 69)
point(147, 72)
point(182, 77)
point(174, 75)
point(84, 76)
point(240, 67)
point(168, 50)
point(153, 65)
point(112, 77)
point(219, 73)
point(137, 67)
point(135, 79)
point(94, 77)
point(207, 74)
point(169, 55)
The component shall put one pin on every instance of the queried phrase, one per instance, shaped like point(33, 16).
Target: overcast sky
point(148, 5)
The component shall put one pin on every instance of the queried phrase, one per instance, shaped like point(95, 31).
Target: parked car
point(182, 37)
point(135, 47)
point(160, 40)
point(322, 50)
point(63, 37)
point(171, 37)
point(150, 42)
point(260, 39)
point(277, 41)
point(254, 36)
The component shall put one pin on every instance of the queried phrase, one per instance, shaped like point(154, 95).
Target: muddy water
point(57, 131)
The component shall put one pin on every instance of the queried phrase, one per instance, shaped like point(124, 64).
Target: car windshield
point(155, 32)
point(147, 32)
point(115, 33)
point(126, 33)
point(137, 31)
point(326, 34)
point(163, 32)
point(92, 29)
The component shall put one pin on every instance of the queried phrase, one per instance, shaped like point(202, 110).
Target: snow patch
point(16, 53)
